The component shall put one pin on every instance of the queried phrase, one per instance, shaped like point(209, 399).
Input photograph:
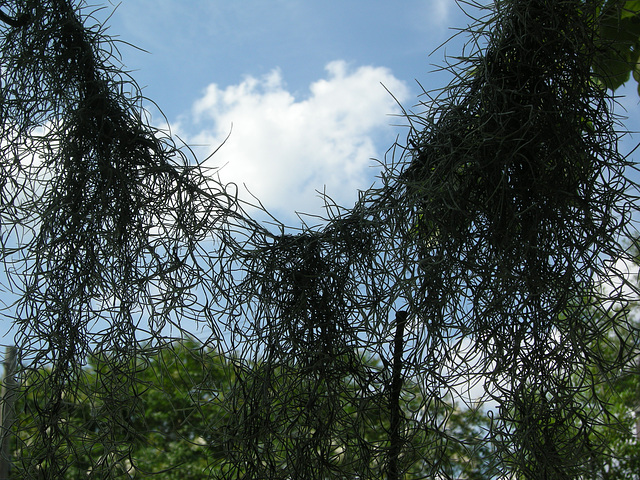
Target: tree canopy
point(184, 417)
point(478, 260)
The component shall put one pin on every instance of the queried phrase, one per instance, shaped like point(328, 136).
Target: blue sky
point(300, 81)
point(297, 83)
point(194, 44)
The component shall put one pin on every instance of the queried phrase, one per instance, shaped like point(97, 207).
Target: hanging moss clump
point(518, 195)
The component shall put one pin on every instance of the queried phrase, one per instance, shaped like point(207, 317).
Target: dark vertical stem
point(395, 439)
point(8, 414)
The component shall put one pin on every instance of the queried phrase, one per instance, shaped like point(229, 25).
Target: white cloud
point(441, 11)
point(284, 149)
point(622, 284)
point(430, 16)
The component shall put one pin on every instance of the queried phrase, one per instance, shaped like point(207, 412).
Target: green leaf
point(631, 9)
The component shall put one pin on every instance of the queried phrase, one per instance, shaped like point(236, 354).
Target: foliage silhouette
point(493, 229)
point(619, 43)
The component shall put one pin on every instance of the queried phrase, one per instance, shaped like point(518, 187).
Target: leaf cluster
point(618, 41)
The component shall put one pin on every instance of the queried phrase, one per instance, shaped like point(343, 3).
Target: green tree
point(174, 429)
point(622, 442)
point(621, 388)
point(185, 421)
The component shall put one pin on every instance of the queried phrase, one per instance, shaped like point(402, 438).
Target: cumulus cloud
point(285, 148)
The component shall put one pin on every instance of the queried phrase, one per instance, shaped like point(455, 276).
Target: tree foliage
point(619, 43)
point(477, 261)
point(184, 418)
point(180, 392)
point(622, 390)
